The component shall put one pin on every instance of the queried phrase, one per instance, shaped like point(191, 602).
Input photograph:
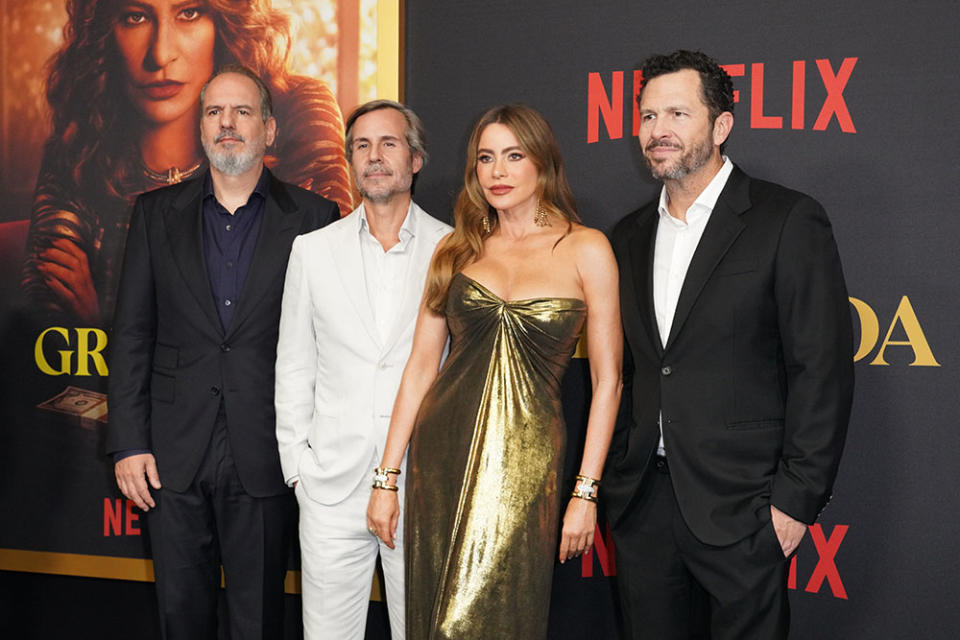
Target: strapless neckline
point(488, 292)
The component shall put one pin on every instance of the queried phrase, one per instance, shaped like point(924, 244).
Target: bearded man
point(738, 374)
point(350, 305)
point(192, 426)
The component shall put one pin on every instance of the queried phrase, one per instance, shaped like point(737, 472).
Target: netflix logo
point(824, 573)
point(603, 549)
point(825, 570)
point(606, 98)
point(120, 518)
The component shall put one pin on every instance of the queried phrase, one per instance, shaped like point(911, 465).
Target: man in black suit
point(192, 370)
point(739, 368)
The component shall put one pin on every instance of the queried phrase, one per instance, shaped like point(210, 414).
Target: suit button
point(225, 347)
point(214, 391)
point(667, 370)
point(383, 365)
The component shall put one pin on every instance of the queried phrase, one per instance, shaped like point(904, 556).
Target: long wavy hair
point(92, 127)
point(465, 244)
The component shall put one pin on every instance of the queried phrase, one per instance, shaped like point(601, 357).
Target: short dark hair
point(716, 85)
point(416, 135)
point(266, 101)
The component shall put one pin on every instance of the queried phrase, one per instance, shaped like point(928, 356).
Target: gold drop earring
point(541, 218)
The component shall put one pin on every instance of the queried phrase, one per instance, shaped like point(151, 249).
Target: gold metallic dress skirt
point(482, 502)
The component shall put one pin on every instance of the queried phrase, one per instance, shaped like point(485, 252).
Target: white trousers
point(338, 557)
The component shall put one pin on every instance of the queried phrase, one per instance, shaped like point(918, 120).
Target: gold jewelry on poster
point(173, 175)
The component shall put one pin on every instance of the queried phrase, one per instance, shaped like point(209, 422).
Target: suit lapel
point(282, 220)
point(641, 246)
point(349, 265)
point(185, 233)
point(722, 229)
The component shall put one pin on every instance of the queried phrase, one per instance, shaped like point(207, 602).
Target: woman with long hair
point(124, 95)
point(513, 286)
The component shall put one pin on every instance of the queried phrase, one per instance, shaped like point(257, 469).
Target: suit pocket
point(166, 357)
point(768, 539)
point(751, 425)
point(162, 388)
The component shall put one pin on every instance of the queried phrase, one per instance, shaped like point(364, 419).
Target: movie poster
point(100, 102)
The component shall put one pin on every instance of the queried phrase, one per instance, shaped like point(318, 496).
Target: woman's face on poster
point(167, 53)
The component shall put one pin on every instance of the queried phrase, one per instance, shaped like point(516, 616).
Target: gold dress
point(482, 501)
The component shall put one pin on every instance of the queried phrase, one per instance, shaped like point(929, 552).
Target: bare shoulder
point(587, 243)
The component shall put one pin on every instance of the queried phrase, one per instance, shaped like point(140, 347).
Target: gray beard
point(381, 197)
point(233, 164)
point(376, 198)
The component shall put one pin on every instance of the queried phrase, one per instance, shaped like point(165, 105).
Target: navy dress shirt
point(228, 244)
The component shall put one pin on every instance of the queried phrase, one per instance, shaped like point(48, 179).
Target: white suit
point(337, 379)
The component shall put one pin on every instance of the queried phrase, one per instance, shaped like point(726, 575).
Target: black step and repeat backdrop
point(855, 103)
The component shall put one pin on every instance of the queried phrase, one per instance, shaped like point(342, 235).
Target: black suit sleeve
point(817, 339)
point(132, 343)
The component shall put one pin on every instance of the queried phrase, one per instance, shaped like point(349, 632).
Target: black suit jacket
point(756, 380)
point(171, 362)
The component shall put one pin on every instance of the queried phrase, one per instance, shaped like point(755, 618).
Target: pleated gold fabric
point(482, 502)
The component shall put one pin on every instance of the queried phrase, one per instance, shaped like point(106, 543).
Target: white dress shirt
point(675, 245)
point(385, 272)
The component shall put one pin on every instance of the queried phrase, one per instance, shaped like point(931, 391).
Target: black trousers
point(672, 586)
point(213, 523)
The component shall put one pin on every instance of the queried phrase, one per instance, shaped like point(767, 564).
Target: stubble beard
point(400, 184)
point(687, 163)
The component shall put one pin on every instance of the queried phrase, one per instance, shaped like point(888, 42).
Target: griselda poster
point(100, 102)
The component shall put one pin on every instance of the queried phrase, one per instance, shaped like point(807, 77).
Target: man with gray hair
point(192, 428)
point(350, 304)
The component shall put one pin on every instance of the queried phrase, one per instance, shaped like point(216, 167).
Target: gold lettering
point(64, 355)
point(869, 328)
point(84, 353)
point(916, 340)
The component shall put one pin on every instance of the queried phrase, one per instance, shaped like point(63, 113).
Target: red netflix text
point(825, 570)
point(603, 548)
point(605, 98)
point(120, 518)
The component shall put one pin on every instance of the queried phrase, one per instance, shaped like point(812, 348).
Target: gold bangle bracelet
point(380, 474)
point(586, 488)
point(378, 484)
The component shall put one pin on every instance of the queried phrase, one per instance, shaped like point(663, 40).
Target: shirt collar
point(707, 199)
point(408, 230)
point(261, 189)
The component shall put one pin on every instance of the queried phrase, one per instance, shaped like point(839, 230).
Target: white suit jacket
point(336, 379)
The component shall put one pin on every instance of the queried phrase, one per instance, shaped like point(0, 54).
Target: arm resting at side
point(429, 338)
point(296, 368)
point(598, 272)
